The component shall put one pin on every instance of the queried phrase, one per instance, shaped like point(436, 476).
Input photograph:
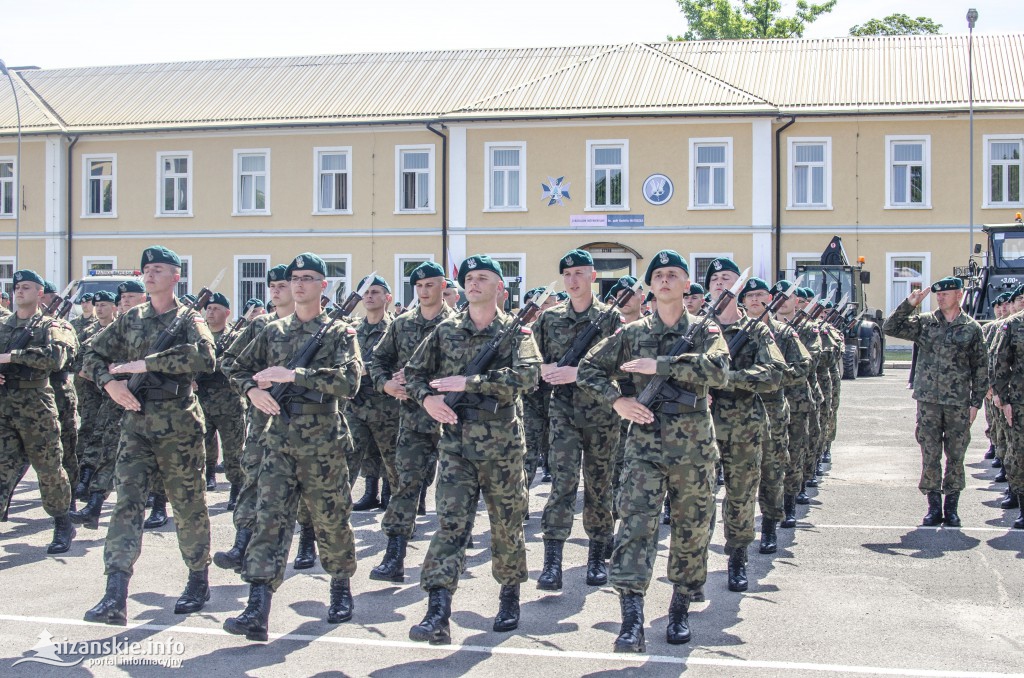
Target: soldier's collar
point(571, 311)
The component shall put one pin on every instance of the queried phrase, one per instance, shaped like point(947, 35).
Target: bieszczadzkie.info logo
point(110, 652)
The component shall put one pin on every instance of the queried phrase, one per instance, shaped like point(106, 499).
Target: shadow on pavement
point(926, 543)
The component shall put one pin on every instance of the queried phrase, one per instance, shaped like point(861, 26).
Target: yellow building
point(761, 150)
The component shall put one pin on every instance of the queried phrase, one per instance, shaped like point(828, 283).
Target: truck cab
point(998, 270)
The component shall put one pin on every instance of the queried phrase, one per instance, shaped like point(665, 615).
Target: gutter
point(444, 195)
point(71, 146)
point(778, 197)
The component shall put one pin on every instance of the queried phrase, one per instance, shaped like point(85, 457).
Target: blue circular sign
point(658, 189)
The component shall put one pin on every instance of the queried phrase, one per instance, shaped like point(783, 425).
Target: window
point(512, 268)
point(7, 276)
point(184, 285)
point(405, 264)
point(252, 181)
point(608, 172)
point(252, 279)
point(333, 188)
point(701, 262)
point(100, 191)
point(1003, 171)
point(337, 275)
point(7, 191)
point(504, 187)
point(711, 169)
point(907, 272)
point(810, 169)
point(908, 184)
point(800, 259)
point(414, 189)
point(174, 190)
point(98, 264)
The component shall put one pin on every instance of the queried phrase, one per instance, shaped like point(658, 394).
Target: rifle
point(836, 313)
point(283, 392)
point(22, 336)
point(63, 304)
point(739, 340)
point(660, 389)
point(482, 361)
point(816, 305)
point(585, 337)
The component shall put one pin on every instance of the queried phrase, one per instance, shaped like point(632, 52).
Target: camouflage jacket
point(1006, 368)
point(47, 352)
point(370, 404)
point(4, 313)
point(554, 331)
point(705, 366)
point(758, 365)
point(83, 324)
point(248, 333)
point(447, 351)
point(838, 344)
point(798, 359)
point(804, 398)
point(952, 360)
point(392, 353)
point(216, 380)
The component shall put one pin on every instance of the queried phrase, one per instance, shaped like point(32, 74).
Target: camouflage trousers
point(103, 444)
point(1014, 459)
point(689, 482)
point(30, 434)
point(374, 426)
point(996, 431)
point(942, 431)
point(799, 448)
point(824, 418)
point(833, 415)
point(225, 416)
point(574, 445)
point(67, 406)
point(89, 401)
point(740, 426)
point(774, 459)
point(162, 443)
point(813, 447)
point(244, 516)
point(459, 483)
point(537, 432)
point(303, 460)
point(620, 464)
point(415, 460)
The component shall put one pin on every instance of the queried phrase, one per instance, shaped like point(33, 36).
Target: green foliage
point(897, 24)
point(721, 20)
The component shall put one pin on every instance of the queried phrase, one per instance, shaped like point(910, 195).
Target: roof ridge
point(707, 75)
point(40, 102)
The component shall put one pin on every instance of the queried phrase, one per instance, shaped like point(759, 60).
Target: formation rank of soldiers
point(730, 383)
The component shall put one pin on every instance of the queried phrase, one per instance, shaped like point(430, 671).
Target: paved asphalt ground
point(857, 588)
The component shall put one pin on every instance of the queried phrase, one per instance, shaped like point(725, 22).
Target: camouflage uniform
point(676, 454)
point(1007, 377)
point(829, 356)
point(803, 403)
point(537, 429)
point(951, 376)
point(303, 458)
point(224, 411)
point(372, 416)
point(482, 451)
point(89, 399)
point(835, 371)
point(996, 430)
point(165, 440)
point(66, 398)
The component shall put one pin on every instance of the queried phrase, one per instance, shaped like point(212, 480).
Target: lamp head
point(972, 17)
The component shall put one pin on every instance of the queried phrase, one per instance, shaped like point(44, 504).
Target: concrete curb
point(897, 364)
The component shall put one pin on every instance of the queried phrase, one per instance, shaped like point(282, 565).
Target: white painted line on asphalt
point(1005, 530)
point(530, 652)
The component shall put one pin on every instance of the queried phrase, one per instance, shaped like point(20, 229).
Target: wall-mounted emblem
point(658, 189)
point(555, 191)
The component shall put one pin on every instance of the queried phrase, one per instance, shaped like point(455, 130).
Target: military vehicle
point(999, 269)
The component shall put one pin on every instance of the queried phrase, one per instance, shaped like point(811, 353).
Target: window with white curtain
point(7, 191)
point(711, 169)
point(415, 179)
point(810, 170)
point(333, 180)
point(907, 273)
point(506, 189)
point(100, 193)
point(337, 276)
point(252, 182)
point(1003, 172)
point(184, 286)
point(908, 181)
point(175, 197)
point(608, 172)
point(7, 275)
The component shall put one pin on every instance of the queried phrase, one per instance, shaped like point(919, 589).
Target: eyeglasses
point(304, 279)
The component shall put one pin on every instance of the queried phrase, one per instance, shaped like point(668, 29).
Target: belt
point(503, 414)
point(24, 383)
point(59, 377)
point(154, 394)
point(680, 408)
point(312, 408)
point(773, 397)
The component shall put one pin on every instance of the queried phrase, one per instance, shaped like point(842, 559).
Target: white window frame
point(347, 279)
point(926, 163)
point(827, 171)
point(431, 207)
point(986, 200)
point(489, 148)
point(592, 145)
point(793, 257)
point(186, 260)
point(8, 283)
point(331, 150)
point(91, 260)
point(13, 181)
point(236, 208)
point(692, 261)
point(926, 272)
point(86, 159)
point(514, 256)
point(160, 211)
point(236, 301)
point(729, 169)
point(399, 280)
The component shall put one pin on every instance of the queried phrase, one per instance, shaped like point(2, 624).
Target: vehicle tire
point(851, 360)
point(872, 367)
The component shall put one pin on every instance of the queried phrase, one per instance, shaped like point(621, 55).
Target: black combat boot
point(678, 631)
point(84, 478)
point(385, 494)
point(631, 633)
point(801, 497)
point(789, 508)
point(305, 557)
point(720, 478)
point(196, 593)
point(232, 497)
point(211, 477)
point(546, 478)
point(550, 578)
point(1010, 500)
point(997, 463)
point(434, 628)
point(508, 609)
point(949, 514)
point(63, 533)
point(1019, 523)
point(421, 509)
point(113, 608)
point(991, 452)
point(934, 515)
point(666, 514)
point(826, 457)
point(233, 557)
point(813, 480)
point(90, 515)
point(252, 623)
point(597, 568)
point(769, 540)
point(738, 569)
point(341, 606)
point(158, 516)
point(149, 500)
point(392, 568)
point(1001, 476)
point(370, 499)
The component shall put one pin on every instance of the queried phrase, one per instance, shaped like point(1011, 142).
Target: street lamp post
point(17, 169)
point(972, 17)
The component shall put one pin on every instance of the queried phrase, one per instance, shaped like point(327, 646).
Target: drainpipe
point(778, 196)
point(444, 195)
point(71, 146)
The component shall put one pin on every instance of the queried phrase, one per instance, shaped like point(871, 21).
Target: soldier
point(832, 346)
point(161, 433)
point(535, 411)
point(49, 293)
point(302, 460)
point(64, 393)
point(949, 380)
point(5, 304)
point(669, 449)
point(996, 430)
point(88, 316)
point(629, 312)
point(29, 428)
point(418, 432)
point(451, 293)
point(479, 448)
point(694, 301)
point(1007, 369)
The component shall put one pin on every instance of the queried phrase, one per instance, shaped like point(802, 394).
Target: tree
point(897, 24)
point(721, 20)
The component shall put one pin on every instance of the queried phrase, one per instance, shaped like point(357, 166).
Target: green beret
point(103, 295)
point(277, 274)
point(4, 295)
point(696, 288)
point(753, 285)
point(307, 262)
point(1002, 298)
point(575, 258)
point(28, 275)
point(218, 298)
point(377, 280)
point(781, 287)
point(478, 262)
point(717, 266)
point(948, 284)
point(428, 269)
point(665, 259)
point(623, 283)
point(562, 296)
point(131, 286)
point(254, 303)
point(1017, 292)
point(530, 294)
point(804, 293)
point(449, 283)
point(88, 296)
point(159, 255)
point(49, 287)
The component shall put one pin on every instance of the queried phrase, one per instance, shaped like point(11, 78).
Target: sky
point(70, 33)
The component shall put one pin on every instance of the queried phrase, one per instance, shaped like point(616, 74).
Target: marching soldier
point(1007, 372)
point(535, 409)
point(950, 379)
point(29, 427)
point(161, 433)
point(88, 316)
point(996, 430)
point(694, 300)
